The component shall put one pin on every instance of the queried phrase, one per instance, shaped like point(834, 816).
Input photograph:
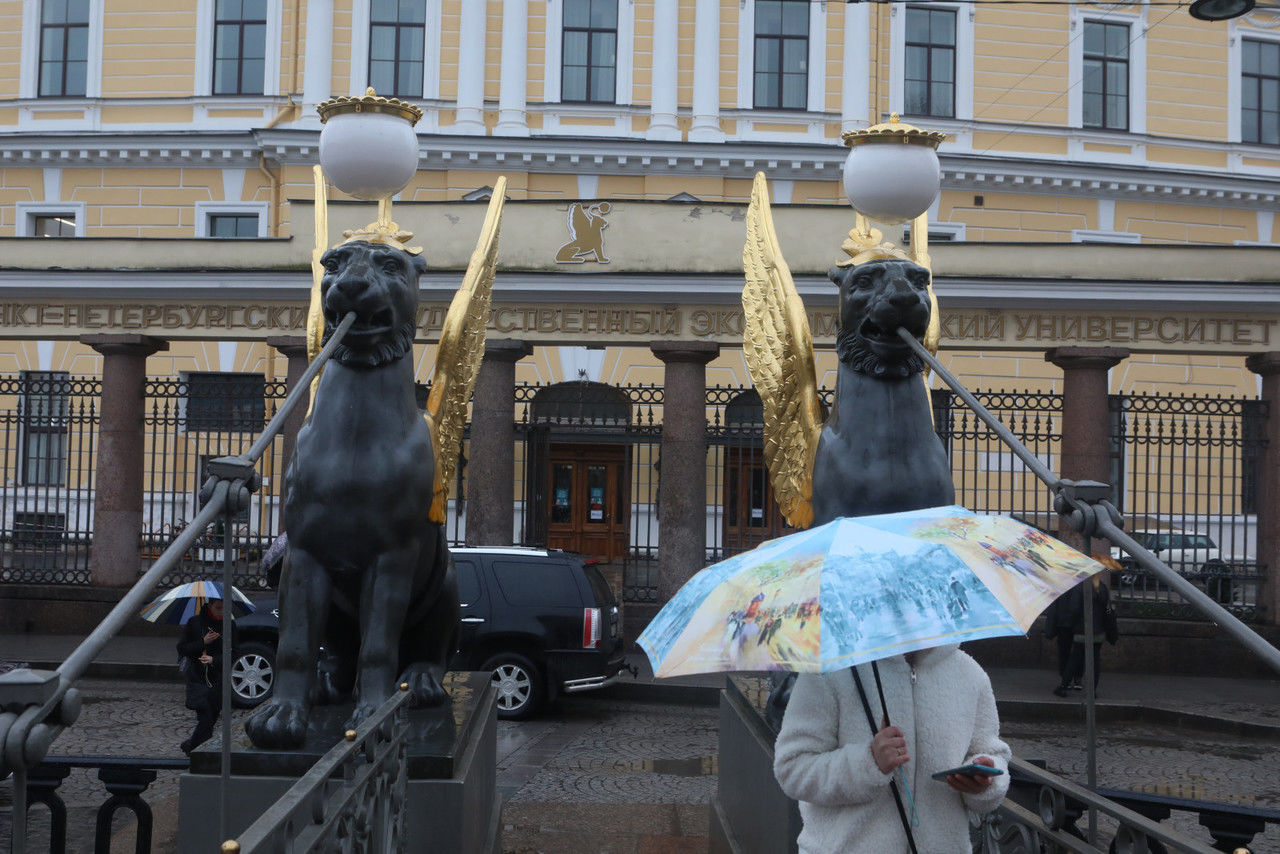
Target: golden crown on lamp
point(369, 150)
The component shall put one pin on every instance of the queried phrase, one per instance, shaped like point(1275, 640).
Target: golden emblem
point(586, 234)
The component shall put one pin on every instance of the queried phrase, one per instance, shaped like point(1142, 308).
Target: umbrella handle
point(871, 721)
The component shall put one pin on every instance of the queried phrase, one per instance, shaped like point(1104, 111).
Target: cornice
point(584, 156)
point(655, 289)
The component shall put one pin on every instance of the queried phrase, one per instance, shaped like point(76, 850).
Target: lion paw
point(424, 684)
point(279, 724)
point(362, 712)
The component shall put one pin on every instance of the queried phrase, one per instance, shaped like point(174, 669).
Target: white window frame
point(964, 56)
point(1236, 34)
point(26, 213)
point(203, 83)
point(1137, 67)
point(954, 231)
point(430, 48)
point(29, 69)
point(206, 209)
point(816, 73)
point(623, 72)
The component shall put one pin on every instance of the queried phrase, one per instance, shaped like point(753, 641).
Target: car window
point(536, 583)
point(468, 584)
point(599, 587)
point(1196, 541)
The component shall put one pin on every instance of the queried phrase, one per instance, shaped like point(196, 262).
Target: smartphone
point(969, 771)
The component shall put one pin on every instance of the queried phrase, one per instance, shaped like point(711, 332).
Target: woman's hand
point(205, 658)
point(211, 636)
point(889, 748)
point(967, 785)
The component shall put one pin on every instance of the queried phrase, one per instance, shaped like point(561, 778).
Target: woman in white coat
point(827, 758)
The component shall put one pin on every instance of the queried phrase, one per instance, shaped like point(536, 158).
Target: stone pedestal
point(451, 796)
point(491, 469)
point(682, 483)
point(115, 558)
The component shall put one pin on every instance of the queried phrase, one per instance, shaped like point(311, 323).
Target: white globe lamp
point(368, 147)
point(891, 174)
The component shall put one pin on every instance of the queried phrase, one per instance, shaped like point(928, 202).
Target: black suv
point(542, 620)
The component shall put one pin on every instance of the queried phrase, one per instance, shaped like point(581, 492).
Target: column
point(515, 49)
point(855, 100)
point(1086, 439)
point(682, 487)
point(470, 116)
point(114, 559)
point(662, 97)
point(294, 347)
point(316, 82)
point(491, 468)
point(1267, 366)
point(706, 73)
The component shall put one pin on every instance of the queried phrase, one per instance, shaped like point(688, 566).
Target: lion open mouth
point(884, 337)
point(375, 324)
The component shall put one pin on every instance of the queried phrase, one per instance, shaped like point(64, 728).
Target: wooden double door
point(587, 499)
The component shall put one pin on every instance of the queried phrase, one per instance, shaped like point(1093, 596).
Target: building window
point(397, 40)
point(782, 54)
point(53, 225)
point(64, 47)
point(931, 62)
point(239, 47)
point(225, 401)
point(589, 54)
point(233, 225)
point(44, 427)
point(1106, 75)
point(1260, 92)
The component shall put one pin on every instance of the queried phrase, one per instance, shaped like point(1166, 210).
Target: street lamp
point(892, 176)
point(1220, 10)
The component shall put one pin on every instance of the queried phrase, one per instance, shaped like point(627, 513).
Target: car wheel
point(519, 683)
point(253, 674)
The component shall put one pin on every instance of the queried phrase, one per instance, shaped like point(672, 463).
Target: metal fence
point(48, 440)
point(1184, 469)
point(187, 422)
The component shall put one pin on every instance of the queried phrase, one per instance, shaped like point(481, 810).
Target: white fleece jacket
point(822, 757)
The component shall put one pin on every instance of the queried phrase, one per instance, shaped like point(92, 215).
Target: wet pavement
point(633, 768)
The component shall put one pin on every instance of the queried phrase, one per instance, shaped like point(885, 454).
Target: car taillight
point(590, 628)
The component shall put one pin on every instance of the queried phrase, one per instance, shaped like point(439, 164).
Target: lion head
point(876, 298)
point(380, 284)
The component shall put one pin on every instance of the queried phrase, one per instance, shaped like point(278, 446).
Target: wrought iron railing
point(36, 705)
point(352, 799)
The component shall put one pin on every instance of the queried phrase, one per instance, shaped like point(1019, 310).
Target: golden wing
point(778, 348)
point(460, 352)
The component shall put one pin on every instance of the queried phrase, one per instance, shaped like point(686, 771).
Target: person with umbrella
point(198, 607)
point(830, 758)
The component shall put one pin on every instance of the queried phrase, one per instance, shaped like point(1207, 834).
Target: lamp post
point(1220, 10)
point(892, 176)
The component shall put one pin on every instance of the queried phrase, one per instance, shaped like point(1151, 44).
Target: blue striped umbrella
point(185, 601)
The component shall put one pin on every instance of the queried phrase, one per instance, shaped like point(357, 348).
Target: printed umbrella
point(860, 589)
point(185, 601)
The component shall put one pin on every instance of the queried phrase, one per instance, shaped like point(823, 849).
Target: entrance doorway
point(588, 511)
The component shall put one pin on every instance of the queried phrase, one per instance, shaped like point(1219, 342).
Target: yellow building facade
point(1110, 179)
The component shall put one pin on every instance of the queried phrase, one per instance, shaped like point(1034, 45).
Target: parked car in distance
point(543, 621)
point(1194, 556)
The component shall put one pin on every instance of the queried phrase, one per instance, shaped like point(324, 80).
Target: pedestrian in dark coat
point(201, 647)
point(1064, 620)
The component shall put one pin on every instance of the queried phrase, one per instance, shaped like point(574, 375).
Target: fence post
point(114, 558)
point(1086, 420)
point(1267, 366)
point(682, 484)
point(491, 472)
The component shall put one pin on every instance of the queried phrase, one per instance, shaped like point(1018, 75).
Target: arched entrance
point(579, 463)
